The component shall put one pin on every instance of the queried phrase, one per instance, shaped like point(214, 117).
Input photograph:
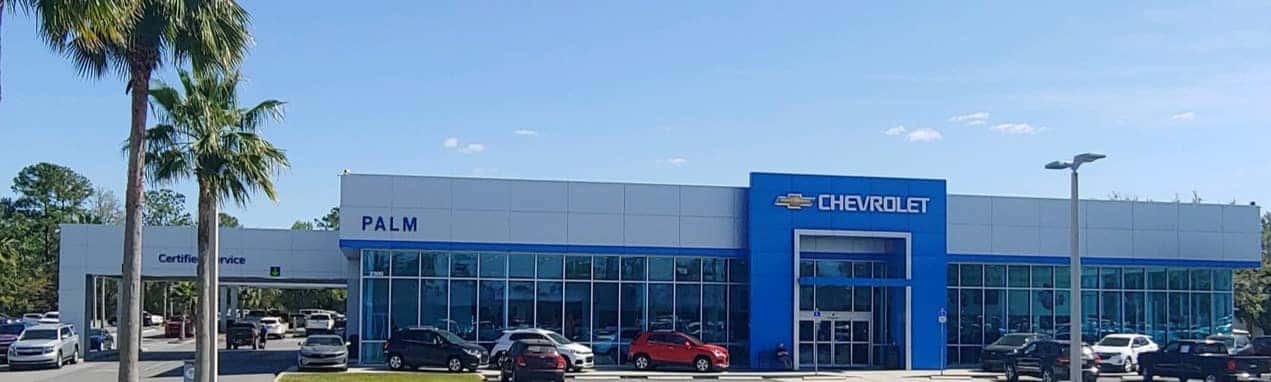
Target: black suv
point(413, 347)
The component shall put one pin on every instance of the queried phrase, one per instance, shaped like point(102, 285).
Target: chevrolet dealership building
point(845, 271)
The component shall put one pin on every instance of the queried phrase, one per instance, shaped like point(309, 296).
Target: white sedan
point(274, 326)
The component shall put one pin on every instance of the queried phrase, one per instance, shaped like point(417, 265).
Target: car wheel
point(1048, 375)
point(60, 360)
point(642, 362)
point(396, 362)
point(75, 357)
point(702, 364)
point(496, 362)
point(1129, 365)
point(454, 365)
point(1212, 378)
point(1011, 374)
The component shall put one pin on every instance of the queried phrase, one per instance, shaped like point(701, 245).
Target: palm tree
point(206, 135)
point(133, 38)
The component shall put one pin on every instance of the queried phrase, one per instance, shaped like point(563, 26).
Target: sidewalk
point(741, 376)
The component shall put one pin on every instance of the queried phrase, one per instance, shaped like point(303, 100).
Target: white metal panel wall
point(993, 225)
point(478, 210)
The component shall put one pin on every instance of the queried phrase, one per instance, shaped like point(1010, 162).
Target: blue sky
point(1175, 92)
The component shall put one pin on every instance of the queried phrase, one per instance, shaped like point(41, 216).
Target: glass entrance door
point(834, 339)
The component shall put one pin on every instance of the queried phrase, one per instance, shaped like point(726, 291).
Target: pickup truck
point(243, 334)
point(1202, 359)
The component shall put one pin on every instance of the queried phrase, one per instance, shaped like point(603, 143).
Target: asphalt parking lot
point(162, 359)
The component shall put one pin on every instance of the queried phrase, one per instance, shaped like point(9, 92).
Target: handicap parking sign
point(943, 316)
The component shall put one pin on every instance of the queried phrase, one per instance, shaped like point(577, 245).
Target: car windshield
point(1011, 340)
point(319, 317)
point(14, 329)
point(559, 339)
point(269, 321)
point(1114, 342)
point(450, 337)
point(40, 334)
point(324, 341)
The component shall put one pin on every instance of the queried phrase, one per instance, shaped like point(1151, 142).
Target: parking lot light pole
point(1074, 273)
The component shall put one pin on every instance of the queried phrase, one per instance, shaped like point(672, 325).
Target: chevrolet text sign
point(856, 203)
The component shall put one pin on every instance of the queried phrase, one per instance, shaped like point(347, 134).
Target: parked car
point(243, 334)
point(45, 345)
point(54, 315)
point(993, 357)
point(275, 326)
point(1204, 359)
point(1260, 345)
point(427, 346)
point(323, 351)
point(533, 359)
point(577, 356)
point(1121, 351)
point(101, 340)
point(1235, 342)
point(172, 328)
point(149, 319)
point(655, 348)
point(9, 333)
point(319, 323)
point(1049, 360)
point(31, 319)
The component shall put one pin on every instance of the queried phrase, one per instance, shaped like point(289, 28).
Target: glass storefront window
point(633, 268)
point(375, 263)
point(1063, 280)
point(405, 263)
point(833, 298)
point(605, 267)
point(1202, 279)
point(375, 308)
point(994, 275)
point(1043, 276)
point(550, 267)
point(434, 264)
point(1110, 278)
point(688, 309)
point(1017, 311)
point(688, 269)
point(1178, 279)
point(834, 268)
point(738, 270)
point(1043, 309)
point(632, 310)
point(550, 307)
point(463, 308)
point(714, 269)
point(661, 307)
point(492, 295)
point(520, 304)
point(405, 303)
point(463, 265)
point(1222, 280)
point(432, 302)
point(994, 315)
point(661, 269)
point(739, 313)
point(521, 265)
point(604, 330)
point(578, 267)
point(1110, 319)
point(1017, 276)
point(494, 265)
point(578, 311)
point(952, 275)
point(1133, 278)
point(951, 301)
point(1089, 277)
point(970, 312)
point(1156, 279)
point(714, 313)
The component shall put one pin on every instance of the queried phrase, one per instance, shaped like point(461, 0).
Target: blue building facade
point(847, 272)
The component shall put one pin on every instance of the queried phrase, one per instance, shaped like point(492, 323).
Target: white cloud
point(1018, 128)
point(1184, 116)
point(973, 119)
point(674, 161)
point(525, 132)
point(450, 143)
point(898, 130)
point(924, 135)
point(466, 148)
point(472, 148)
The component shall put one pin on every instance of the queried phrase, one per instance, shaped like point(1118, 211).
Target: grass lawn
point(380, 377)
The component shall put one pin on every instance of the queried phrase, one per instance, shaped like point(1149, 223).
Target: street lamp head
point(1058, 165)
point(1087, 157)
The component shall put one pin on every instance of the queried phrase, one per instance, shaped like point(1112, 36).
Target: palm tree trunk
point(130, 286)
point(209, 254)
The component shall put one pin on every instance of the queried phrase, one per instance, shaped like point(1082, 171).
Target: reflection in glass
point(405, 302)
point(375, 263)
point(375, 308)
point(714, 269)
point(633, 268)
point(432, 301)
point(688, 309)
point(970, 314)
point(605, 267)
point(549, 304)
point(405, 263)
point(633, 310)
point(434, 264)
point(578, 311)
point(578, 267)
point(688, 269)
point(520, 304)
point(714, 313)
point(1043, 276)
point(521, 265)
point(463, 265)
point(550, 267)
point(490, 327)
point(463, 308)
point(1017, 276)
point(661, 307)
point(661, 269)
point(494, 265)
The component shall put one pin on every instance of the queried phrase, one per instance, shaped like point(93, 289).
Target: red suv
point(675, 348)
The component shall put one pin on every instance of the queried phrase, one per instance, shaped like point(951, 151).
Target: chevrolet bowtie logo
point(793, 201)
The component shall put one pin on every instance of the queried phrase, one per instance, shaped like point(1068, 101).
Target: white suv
point(577, 356)
point(45, 345)
point(1121, 351)
point(319, 323)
